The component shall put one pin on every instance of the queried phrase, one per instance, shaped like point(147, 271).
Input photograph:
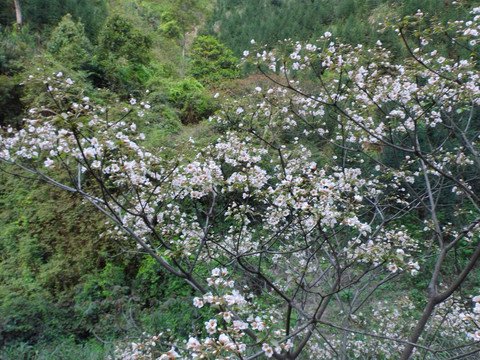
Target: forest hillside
point(199, 179)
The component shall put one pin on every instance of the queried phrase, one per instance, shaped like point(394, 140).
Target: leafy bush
point(69, 44)
point(212, 61)
point(124, 55)
point(191, 99)
point(45, 250)
point(14, 45)
point(10, 94)
point(119, 39)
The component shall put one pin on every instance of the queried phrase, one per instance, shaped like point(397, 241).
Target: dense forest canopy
point(288, 179)
point(354, 21)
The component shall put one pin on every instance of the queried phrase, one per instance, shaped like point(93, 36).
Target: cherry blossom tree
point(350, 174)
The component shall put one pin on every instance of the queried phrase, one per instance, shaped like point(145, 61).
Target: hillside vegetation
point(354, 21)
point(74, 286)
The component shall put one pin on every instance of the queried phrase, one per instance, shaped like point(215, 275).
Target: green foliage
point(59, 280)
point(45, 249)
point(124, 54)
point(211, 61)
point(236, 23)
point(14, 46)
point(169, 26)
point(120, 39)
point(161, 121)
point(23, 310)
point(354, 21)
point(185, 14)
point(58, 349)
point(103, 302)
point(39, 14)
point(102, 285)
point(10, 94)
point(191, 100)
point(69, 44)
point(167, 298)
point(117, 300)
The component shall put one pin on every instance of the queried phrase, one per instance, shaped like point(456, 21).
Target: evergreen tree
point(211, 60)
point(69, 44)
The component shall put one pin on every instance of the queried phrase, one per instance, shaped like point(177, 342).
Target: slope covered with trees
point(65, 282)
point(354, 21)
point(324, 203)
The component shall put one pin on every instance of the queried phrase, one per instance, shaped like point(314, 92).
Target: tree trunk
point(427, 312)
point(18, 12)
